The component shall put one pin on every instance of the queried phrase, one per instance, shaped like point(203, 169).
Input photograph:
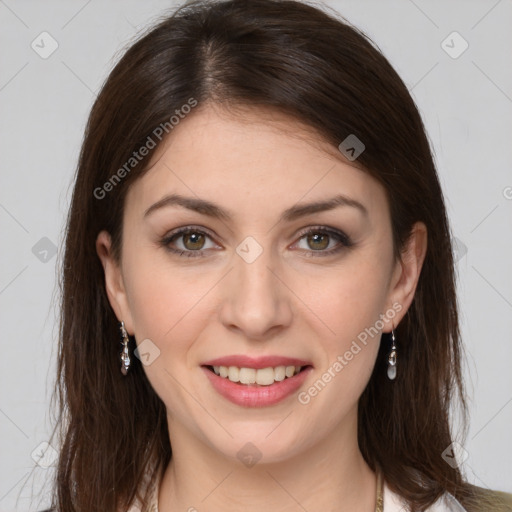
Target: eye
point(189, 241)
point(193, 240)
point(323, 241)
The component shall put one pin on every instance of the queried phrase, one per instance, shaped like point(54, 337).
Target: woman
point(258, 219)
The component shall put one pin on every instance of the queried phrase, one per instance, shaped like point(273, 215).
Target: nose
point(256, 301)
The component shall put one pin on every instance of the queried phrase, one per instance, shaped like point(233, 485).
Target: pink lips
point(253, 395)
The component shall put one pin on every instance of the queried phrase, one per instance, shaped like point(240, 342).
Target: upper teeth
point(262, 376)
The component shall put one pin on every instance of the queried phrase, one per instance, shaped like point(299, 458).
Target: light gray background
point(466, 105)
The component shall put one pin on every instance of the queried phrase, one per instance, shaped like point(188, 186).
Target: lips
point(254, 394)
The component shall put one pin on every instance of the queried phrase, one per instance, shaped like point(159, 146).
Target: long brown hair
point(312, 65)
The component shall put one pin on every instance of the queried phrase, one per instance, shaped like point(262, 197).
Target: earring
point(125, 354)
point(392, 358)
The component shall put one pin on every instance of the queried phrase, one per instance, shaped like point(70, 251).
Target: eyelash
point(343, 239)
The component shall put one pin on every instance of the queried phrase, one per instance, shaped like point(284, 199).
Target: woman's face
point(259, 274)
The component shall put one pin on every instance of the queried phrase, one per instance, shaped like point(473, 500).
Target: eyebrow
point(210, 209)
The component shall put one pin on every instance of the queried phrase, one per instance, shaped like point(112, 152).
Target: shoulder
point(484, 500)
point(476, 499)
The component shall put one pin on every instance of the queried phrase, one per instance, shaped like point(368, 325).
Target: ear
point(406, 273)
point(114, 283)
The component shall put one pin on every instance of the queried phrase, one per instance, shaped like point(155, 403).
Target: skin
point(290, 301)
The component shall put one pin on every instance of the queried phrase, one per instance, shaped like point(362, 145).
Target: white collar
point(395, 503)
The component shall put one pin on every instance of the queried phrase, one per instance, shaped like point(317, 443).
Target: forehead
point(251, 157)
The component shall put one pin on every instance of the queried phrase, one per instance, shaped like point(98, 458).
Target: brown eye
point(193, 240)
point(190, 242)
point(322, 241)
point(318, 241)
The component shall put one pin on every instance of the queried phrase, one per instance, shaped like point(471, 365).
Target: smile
point(248, 386)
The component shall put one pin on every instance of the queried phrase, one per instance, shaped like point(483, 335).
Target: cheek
point(348, 329)
point(346, 300)
point(168, 306)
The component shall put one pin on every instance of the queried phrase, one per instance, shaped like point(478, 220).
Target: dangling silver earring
point(392, 358)
point(125, 354)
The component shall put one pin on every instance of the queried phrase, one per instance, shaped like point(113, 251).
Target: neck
point(332, 475)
